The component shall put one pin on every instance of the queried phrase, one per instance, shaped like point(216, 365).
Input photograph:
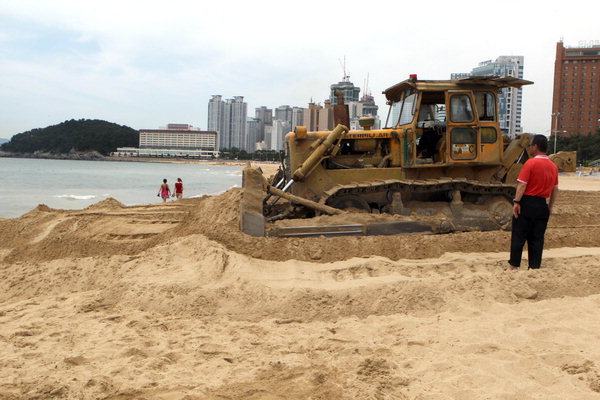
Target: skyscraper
point(280, 129)
point(511, 99)
point(576, 97)
point(215, 115)
point(252, 133)
point(350, 91)
point(284, 113)
point(233, 132)
point(265, 116)
point(297, 117)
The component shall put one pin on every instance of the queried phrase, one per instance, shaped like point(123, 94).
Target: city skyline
point(143, 66)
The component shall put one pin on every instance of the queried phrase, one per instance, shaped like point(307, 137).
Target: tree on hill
point(78, 135)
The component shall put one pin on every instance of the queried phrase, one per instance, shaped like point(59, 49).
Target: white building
point(268, 135)
point(297, 117)
point(236, 114)
point(174, 140)
point(228, 118)
point(280, 129)
point(215, 113)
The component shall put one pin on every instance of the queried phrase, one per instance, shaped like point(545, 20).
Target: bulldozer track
point(421, 186)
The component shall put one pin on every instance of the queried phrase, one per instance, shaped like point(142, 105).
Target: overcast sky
point(149, 63)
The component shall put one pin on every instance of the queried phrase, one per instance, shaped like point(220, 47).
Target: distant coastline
point(268, 167)
point(88, 155)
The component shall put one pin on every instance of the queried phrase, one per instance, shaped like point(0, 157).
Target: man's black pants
point(530, 227)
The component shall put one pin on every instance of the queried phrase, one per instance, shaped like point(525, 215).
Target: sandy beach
point(171, 301)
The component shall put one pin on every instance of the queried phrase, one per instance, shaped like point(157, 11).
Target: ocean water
point(69, 184)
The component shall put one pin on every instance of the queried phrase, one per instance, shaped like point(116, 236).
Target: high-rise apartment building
point(267, 141)
point(216, 115)
point(265, 116)
point(233, 133)
point(294, 116)
point(284, 113)
point(228, 118)
point(576, 97)
point(511, 99)
point(252, 134)
point(280, 129)
point(297, 117)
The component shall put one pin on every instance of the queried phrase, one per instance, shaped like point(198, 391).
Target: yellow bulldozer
point(439, 164)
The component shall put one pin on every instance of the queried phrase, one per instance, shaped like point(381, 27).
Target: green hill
point(75, 135)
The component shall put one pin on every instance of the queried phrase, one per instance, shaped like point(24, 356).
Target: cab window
point(460, 108)
point(486, 106)
point(408, 109)
point(403, 111)
point(489, 135)
point(394, 114)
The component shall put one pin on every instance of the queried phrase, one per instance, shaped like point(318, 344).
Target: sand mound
point(108, 228)
point(107, 204)
point(171, 301)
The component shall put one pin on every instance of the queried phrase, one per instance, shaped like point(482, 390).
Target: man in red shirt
point(537, 181)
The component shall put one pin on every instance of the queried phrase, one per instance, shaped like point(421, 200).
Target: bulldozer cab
point(449, 122)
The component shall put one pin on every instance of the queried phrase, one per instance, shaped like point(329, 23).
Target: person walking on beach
point(164, 191)
point(537, 182)
point(178, 189)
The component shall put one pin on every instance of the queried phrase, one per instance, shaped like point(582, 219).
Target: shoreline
point(95, 156)
point(268, 166)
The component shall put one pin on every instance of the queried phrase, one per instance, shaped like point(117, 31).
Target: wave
point(76, 197)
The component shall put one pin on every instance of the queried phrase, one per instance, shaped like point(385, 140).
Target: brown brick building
point(576, 98)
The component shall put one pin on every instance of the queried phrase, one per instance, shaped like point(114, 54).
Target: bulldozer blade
point(252, 221)
point(397, 228)
point(253, 224)
point(324, 230)
point(379, 228)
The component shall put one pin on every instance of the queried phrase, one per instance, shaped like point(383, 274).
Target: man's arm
point(521, 186)
point(553, 196)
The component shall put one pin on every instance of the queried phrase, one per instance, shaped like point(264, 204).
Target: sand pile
point(170, 301)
